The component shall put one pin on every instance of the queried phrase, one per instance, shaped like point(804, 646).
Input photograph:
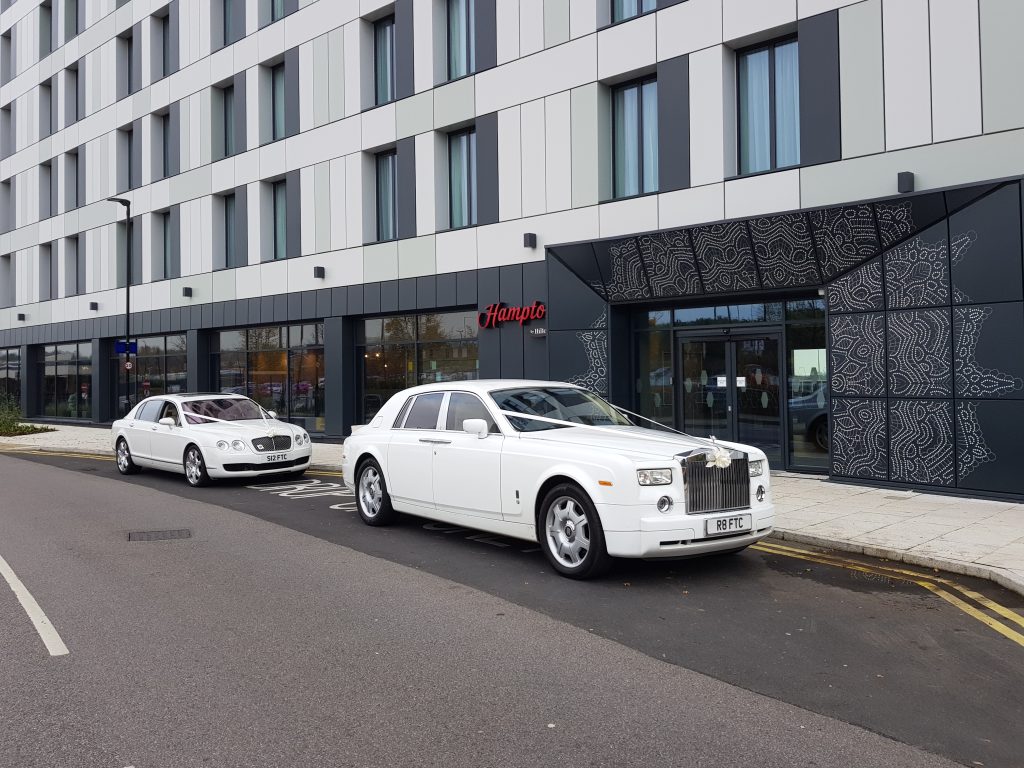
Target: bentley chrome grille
point(276, 443)
point(713, 489)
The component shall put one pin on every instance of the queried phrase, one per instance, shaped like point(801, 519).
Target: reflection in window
point(384, 60)
point(808, 395)
point(10, 374)
point(160, 369)
point(66, 378)
point(769, 107)
point(627, 9)
point(462, 178)
point(635, 138)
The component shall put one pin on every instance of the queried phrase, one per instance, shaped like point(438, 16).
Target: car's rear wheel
point(372, 495)
point(195, 467)
point(573, 540)
point(123, 453)
point(819, 433)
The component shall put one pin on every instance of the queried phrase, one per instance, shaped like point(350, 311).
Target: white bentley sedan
point(554, 463)
point(208, 436)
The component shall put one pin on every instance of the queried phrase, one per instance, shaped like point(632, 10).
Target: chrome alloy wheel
point(194, 466)
point(124, 458)
point(370, 495)
point(568, 532)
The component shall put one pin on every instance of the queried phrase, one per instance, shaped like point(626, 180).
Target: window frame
point(769, 46)
point(492, 425)
point(389, 22)
point(277, 105)
point(471, 180)
point(165, 135)
point(469, 21)
point(391, 157)
point(279, 231)
point(164, 23)
point(638, 84)
point(411, 405)
point(638, 4)
point(230, 204)
point(165, 237)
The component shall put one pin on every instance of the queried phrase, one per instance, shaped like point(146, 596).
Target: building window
point(163, 25)
point(228, 95)
point(72, 100)
point(47, 109)
point(387, 170)
point(461, 40)
point(279, 191)
point(10, 374)
point(161, 368)
point(71, 185)
point(280, 367)
point(393, 353)
point(277, 102)
point(231, 254)
point(276, 10)
point(45, 30)
point(228, 18)
point(70, 19)
point(169, 260)
point(462, 179)
point(127, 63)
point(127, 156)
point(47, 273)
point(635, 138)
point(47, 191)
point(384, 60)
point(769, 107)
point(66, 381)
point(8, 280)
point(627, 9)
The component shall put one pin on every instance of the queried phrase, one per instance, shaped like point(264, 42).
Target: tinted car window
point(563, 403)
point(424, 412)
point(462, 406)
point(170, 411)
point(150, 411)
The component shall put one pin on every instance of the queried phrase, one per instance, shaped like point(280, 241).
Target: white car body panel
point(158, 446)
point(493, 483)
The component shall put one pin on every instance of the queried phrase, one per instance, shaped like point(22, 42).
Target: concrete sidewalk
point(957, 534)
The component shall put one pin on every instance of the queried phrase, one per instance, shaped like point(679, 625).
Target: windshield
point(221, 409)
point(564, 403)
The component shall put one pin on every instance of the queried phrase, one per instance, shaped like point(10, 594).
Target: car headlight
point(756, 468)
point(238, 445)
point(222, 445)
point(654, 476)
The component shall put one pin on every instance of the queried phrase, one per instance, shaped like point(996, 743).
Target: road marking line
point(919, 579)
point(979, 598)
point(42, 624)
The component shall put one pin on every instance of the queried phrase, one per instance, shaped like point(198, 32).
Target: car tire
point(372, 499)
point(195, 467)
point(819, 433)
point(123, 457)
point(570, 533)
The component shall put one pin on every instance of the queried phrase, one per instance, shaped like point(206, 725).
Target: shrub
point(10, 419)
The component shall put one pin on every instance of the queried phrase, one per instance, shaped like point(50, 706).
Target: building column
point(29, 383)
point(197, 356)
point(339, 375)
point(104, 386)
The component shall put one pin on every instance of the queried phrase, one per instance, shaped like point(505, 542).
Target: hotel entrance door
point(730, 387)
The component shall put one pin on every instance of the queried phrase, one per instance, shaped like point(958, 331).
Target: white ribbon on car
point(716, 456)
point(271, 432)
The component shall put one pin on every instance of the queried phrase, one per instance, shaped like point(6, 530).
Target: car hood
point(248, 429)
point(634, 442)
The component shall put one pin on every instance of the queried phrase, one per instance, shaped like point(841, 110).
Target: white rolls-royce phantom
point(557, 464)
point(208, 436)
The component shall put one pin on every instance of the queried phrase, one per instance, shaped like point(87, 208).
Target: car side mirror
point(167, 421)
point(272, 414)
point(476, 427)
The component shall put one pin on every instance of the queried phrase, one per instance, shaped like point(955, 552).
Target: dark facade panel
point(406, 192)
point(323, 303)
point(405, 85)
point(174, 35)
point(136, 83)
point(486, 34)
point(389, 296)
point(674, 124)
point(985, 249)
point(487, 168)
point(510, 283)
point(987, 445)
point(294, 307)
point(466, 288)
point(309, 305)
point(426, 292)
point(241, 125)
point(535, 348)
point(136, 149)
point(291, 92)
point(293, 191)
point(860, 439)
point(489, 292)
point(820, 119)
point(407, 294)
point(174, 140)
point(371, 298)
point(339, 301)
point(985, 365)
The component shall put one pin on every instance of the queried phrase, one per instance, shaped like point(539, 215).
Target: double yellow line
point(937, 585)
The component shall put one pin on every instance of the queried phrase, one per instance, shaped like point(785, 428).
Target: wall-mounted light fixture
point(186, 292)
point(21, 317)
point(905, 182)
point(94, 305)
point(529, 240)
point(319, 272)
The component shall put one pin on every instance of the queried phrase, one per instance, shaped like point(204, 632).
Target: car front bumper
point(681, 535)
point(249, 465)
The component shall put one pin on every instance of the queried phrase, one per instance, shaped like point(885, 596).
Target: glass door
point(731, 388)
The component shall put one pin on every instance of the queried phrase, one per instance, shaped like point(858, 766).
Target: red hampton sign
point(496, 314)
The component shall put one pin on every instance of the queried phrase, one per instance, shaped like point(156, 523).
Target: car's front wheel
point(195, 467)
point(573, 540)
point(123, 453)
point(372, 495)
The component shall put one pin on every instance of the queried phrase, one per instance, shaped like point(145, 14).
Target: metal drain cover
point(181, 533)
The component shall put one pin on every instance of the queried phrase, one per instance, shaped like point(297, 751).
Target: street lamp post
point(127, 299)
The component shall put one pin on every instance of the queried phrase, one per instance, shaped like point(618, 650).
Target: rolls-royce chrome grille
point(714, 489)
point(276, 443)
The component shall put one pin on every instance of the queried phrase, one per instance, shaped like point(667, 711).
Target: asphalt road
point(251, 644)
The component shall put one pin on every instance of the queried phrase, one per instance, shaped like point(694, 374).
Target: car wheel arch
point(554, 479)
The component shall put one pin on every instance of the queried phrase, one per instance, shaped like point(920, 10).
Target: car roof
point(483, 386)
point(182, 396)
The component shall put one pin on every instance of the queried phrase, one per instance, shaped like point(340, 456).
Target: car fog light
point(238, 445)
point(760, 493)
point(756, 468)
point(222, 445)
point(665, 504)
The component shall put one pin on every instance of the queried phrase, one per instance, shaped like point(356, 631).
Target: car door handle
point(435, 441)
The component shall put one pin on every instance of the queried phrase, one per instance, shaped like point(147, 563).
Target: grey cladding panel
point(240, 122)
point(674, 124)
point(486, 34)
point(406, 158)
point(820, 117)
point(291, 91)
point(404, 47)
point(487, 168)
point(294, 227)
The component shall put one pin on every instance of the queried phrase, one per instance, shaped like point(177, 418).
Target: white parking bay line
point(42, 624)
